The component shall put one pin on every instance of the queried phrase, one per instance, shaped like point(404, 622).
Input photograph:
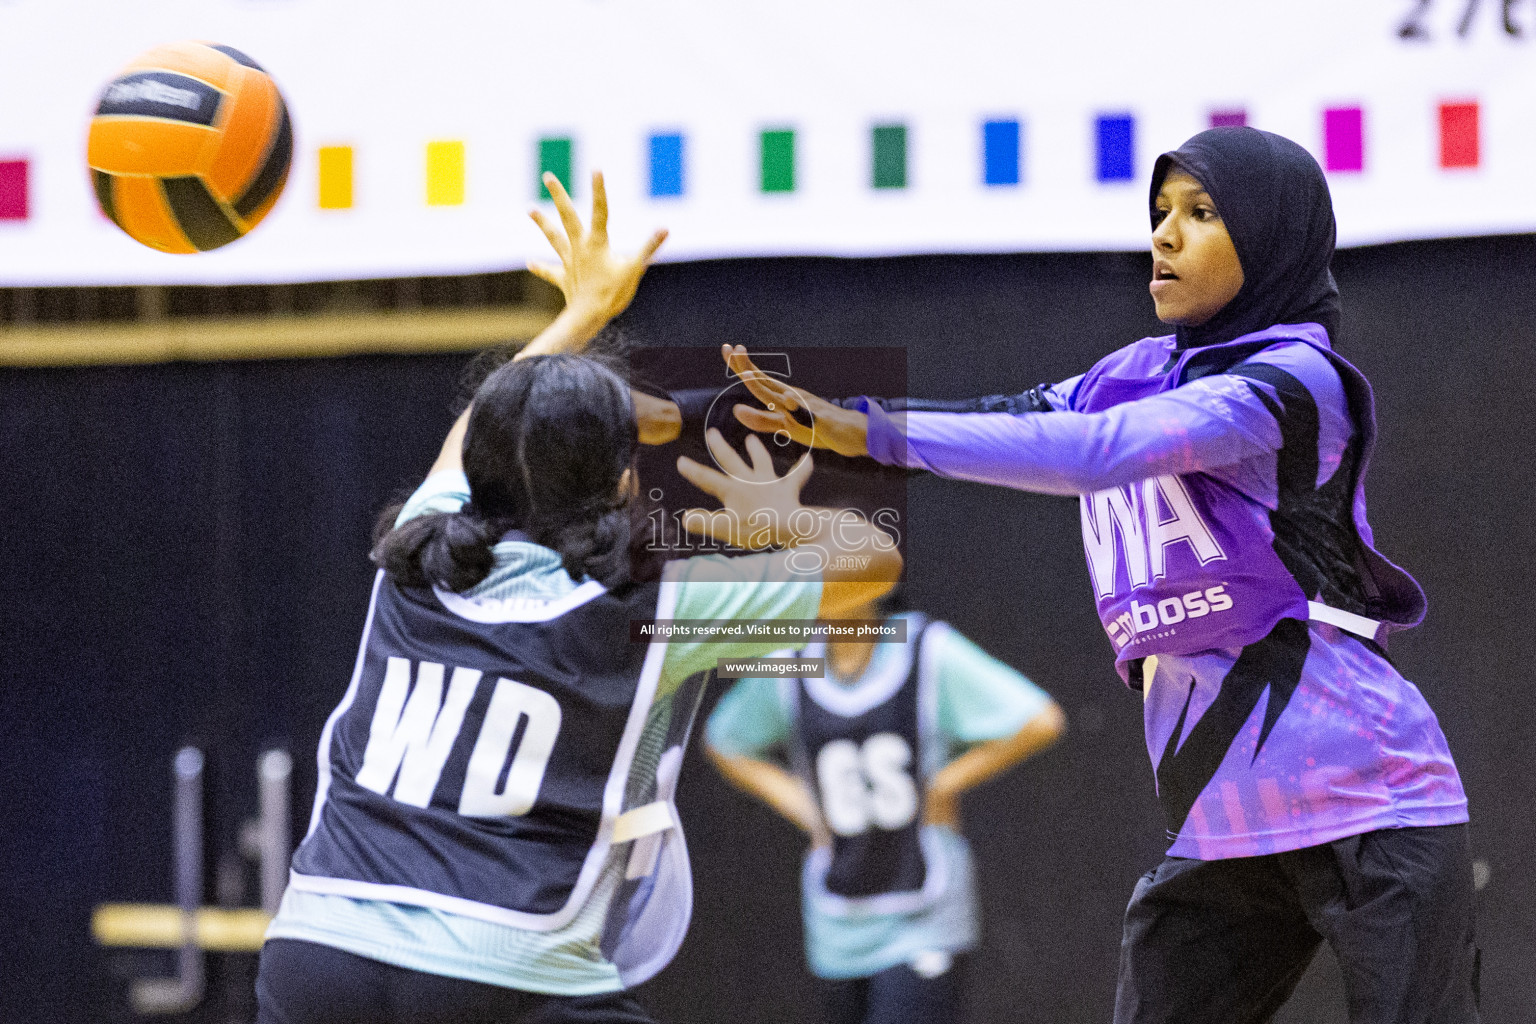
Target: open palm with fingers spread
point(832, 427)
point(761, 509)
point(596, 282)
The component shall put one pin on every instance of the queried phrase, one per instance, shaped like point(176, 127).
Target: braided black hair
point(548, 443)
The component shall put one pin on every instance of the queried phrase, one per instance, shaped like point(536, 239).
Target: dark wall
point(184, 560)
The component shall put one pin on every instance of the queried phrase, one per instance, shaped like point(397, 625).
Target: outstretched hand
point(760, 507)
point(597, 283)
point(832, 427)
point(763, 510)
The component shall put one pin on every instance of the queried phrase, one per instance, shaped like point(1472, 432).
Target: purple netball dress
point(1223, 515)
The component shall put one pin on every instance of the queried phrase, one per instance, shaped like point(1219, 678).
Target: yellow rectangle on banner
point(335, 177)
point(445, 174)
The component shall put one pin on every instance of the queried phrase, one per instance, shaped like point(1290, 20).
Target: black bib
point(860, 750)
point(479, 747)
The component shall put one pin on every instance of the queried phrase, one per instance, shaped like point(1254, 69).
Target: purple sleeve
point(1059, 396)
point(1211, 422)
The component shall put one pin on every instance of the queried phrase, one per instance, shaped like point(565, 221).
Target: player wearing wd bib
point(887, 888)
point(496, 786)
point(494, 837)
point(497, 781)
point(1220, 472)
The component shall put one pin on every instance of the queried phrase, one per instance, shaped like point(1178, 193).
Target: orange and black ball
point(190, 146)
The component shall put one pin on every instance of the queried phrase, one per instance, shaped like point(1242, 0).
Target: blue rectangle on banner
point(1000, 150)
point(667, 164)
point(1117, 147)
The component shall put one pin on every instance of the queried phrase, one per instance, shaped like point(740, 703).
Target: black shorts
point(1226, 941)
point(308, 983)
point(900, 995)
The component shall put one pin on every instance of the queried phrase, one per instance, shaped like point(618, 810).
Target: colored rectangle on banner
point(1344, 139)
point(888, 156)
point(13, 190)
point(1460, 142)
point(667, 164)
point(778, 160)
point(1000, 149)
point(445, 173)
point(1116, 137)
point(1229, 118)
point(335, 177)
point(556, 156)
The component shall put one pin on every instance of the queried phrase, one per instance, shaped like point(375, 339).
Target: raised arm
point(842, 425)
point(1206, 424)
point(685, 413)
point(598, 285)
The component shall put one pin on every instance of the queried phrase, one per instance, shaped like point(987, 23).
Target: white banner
point(835, 127)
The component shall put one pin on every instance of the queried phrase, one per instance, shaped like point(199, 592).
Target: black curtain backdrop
point(184, 560)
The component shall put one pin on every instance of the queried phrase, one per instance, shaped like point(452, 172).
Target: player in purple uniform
point(1309, 791)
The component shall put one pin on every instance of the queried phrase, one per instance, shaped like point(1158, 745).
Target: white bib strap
point(645, 820)
point(1347, 621)
point(649, 823)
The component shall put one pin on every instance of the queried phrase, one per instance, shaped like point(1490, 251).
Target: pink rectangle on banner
point(1228, 118)
point(13, 190)
point(1344, 139)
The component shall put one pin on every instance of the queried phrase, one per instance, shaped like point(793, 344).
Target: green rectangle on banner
point(779, 160)
point(554, 158)
point(890, 155)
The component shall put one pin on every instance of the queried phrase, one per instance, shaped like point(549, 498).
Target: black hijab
point(1274, 200)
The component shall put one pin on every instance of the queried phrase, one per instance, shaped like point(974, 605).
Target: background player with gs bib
point(881, 748)
point(494, 836)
